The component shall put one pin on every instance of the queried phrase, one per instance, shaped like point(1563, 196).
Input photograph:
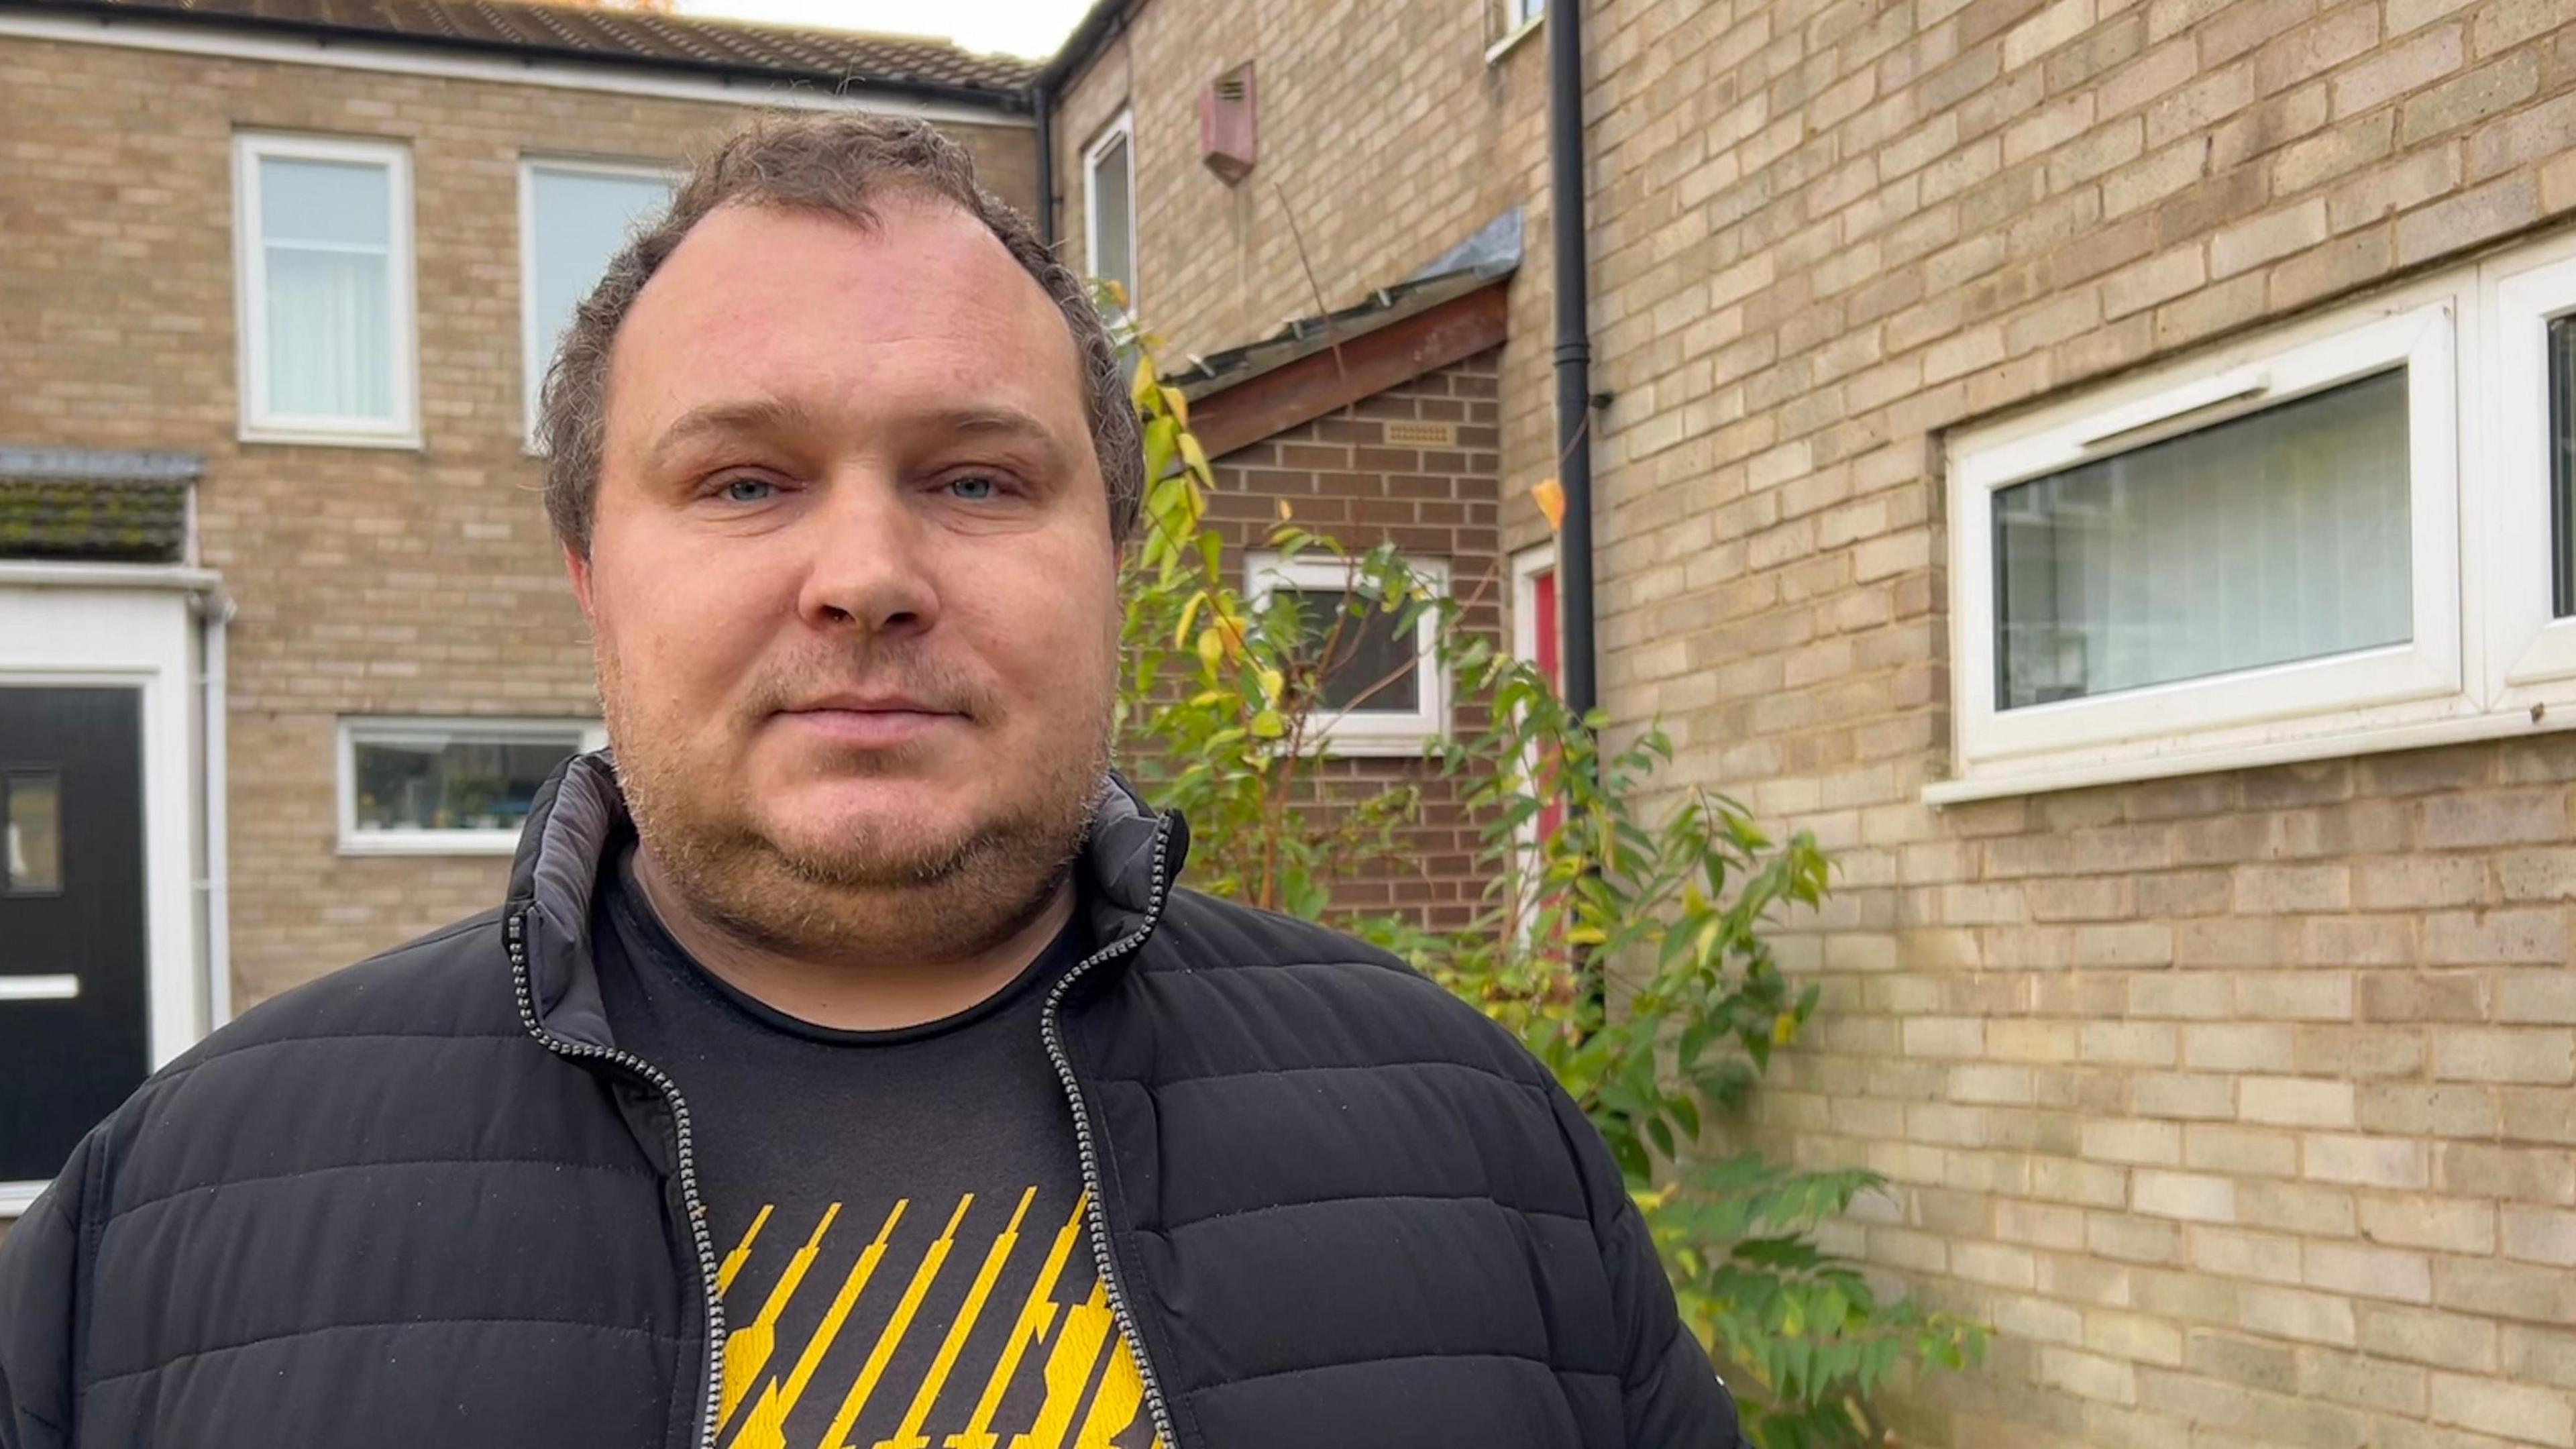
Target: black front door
point(72, 967)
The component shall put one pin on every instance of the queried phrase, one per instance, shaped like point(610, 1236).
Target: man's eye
point(974, 488)
point(746, 490)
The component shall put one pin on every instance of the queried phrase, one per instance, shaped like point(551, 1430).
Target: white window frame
point(1122, 128)
point(260, 424)
point(1527, 566)
point(532, 361)
point(2531, 653)
point(1365, 733)
point(1518, 20)
point(2303, 709)
point(587, 735)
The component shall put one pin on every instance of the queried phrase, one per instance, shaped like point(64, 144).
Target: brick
point(2542, 997)
point(2157, 1143)
point(2424, 1222)
point(2408, 66)
point(2393, 1162)
point(2037, 1319)
point(2445, 1111)
point(2521, 1174)
point(2471, 938)
point(2443, 1339)
point(2296, 996)
point(2534, 1054)
point(2399, 186)
point(2264, 1257)
point(2362, 1380)
point(2540, 1235)
point(2248, 245)
point(2193, 994)
point(2127, 1043)
point(1945, 1037)
point(2295, 1313)
point(2188, 1196)
point(2236, 1046)
point(2295, 1102)
point(2177, 1094)
point(2538, 1356)
point(2088, 1375)
point(2133, 1337)
point(2470, 98)
point(2462, 221)
point(2240, 1150)
point(2368, 1272)
point(2532, 1415)
point(2409, 882)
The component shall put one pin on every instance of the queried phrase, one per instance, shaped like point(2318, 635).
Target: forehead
point(922, 303)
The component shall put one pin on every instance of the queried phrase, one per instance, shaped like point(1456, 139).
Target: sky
point(1030, 28)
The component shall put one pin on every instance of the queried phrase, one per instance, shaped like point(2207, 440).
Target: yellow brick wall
point(368, 580)
point(2243, 1103)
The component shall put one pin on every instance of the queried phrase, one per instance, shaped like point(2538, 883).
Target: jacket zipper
point(1051, 1026)
point(688, 1169)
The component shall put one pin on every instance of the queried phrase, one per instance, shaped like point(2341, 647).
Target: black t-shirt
point(907, 1261)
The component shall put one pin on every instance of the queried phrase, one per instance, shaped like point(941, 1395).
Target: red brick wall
point(1342, 478)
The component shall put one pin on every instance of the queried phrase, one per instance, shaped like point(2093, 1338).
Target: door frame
point(133, 627)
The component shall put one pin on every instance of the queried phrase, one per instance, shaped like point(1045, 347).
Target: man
point(845, 1067)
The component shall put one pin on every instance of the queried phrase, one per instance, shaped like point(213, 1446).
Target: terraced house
point(284, 644)
point(2105, 467)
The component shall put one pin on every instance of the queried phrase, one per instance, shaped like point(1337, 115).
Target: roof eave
point(1010, 101)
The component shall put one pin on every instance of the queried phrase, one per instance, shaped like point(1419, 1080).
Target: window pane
point(436, 780)
point(580, 221)
point(35, 833)
point(1113, 217)
point(327, 203)
point(1372, 646)
point(2562, 466)
point(2277, 536)
point(326, 248)
point(330, 334)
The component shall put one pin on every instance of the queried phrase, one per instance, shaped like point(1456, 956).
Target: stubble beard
point(897, 892)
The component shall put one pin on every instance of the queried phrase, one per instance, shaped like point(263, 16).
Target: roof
point(563, 32)
point(101, 507)
point(1492, 253)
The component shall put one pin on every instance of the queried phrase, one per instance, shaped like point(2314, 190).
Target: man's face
point(851, 579)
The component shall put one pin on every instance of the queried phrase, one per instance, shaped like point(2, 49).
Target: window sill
point(326, 438)
point(1343, 745)
point(2345, 744)
point(1512, 41)
point(461, 842)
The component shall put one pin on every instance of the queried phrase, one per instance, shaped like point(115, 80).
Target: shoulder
point(1303, 993)
point(454, 981)
point(423, 1022)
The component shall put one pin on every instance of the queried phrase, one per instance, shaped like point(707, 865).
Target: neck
point(848, 993)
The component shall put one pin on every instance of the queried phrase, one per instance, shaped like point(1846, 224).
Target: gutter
point(1042, 102)
point(1573, 352)
point(1013, 102)
point(1103, 20)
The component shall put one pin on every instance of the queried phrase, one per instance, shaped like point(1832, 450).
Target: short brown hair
point(839, 165)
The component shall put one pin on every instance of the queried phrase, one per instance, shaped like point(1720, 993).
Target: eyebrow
point(999, 422)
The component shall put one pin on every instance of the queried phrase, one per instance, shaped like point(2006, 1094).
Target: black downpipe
point(1573, 350)
point(1042, 100)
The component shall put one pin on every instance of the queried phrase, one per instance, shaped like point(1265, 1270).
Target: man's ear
point(577, 565)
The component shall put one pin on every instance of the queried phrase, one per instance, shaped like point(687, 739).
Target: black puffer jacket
point(427, 1201)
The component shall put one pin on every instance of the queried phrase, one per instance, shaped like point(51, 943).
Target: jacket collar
point(580, 812)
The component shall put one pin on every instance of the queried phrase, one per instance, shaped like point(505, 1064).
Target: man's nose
point(869, 559)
